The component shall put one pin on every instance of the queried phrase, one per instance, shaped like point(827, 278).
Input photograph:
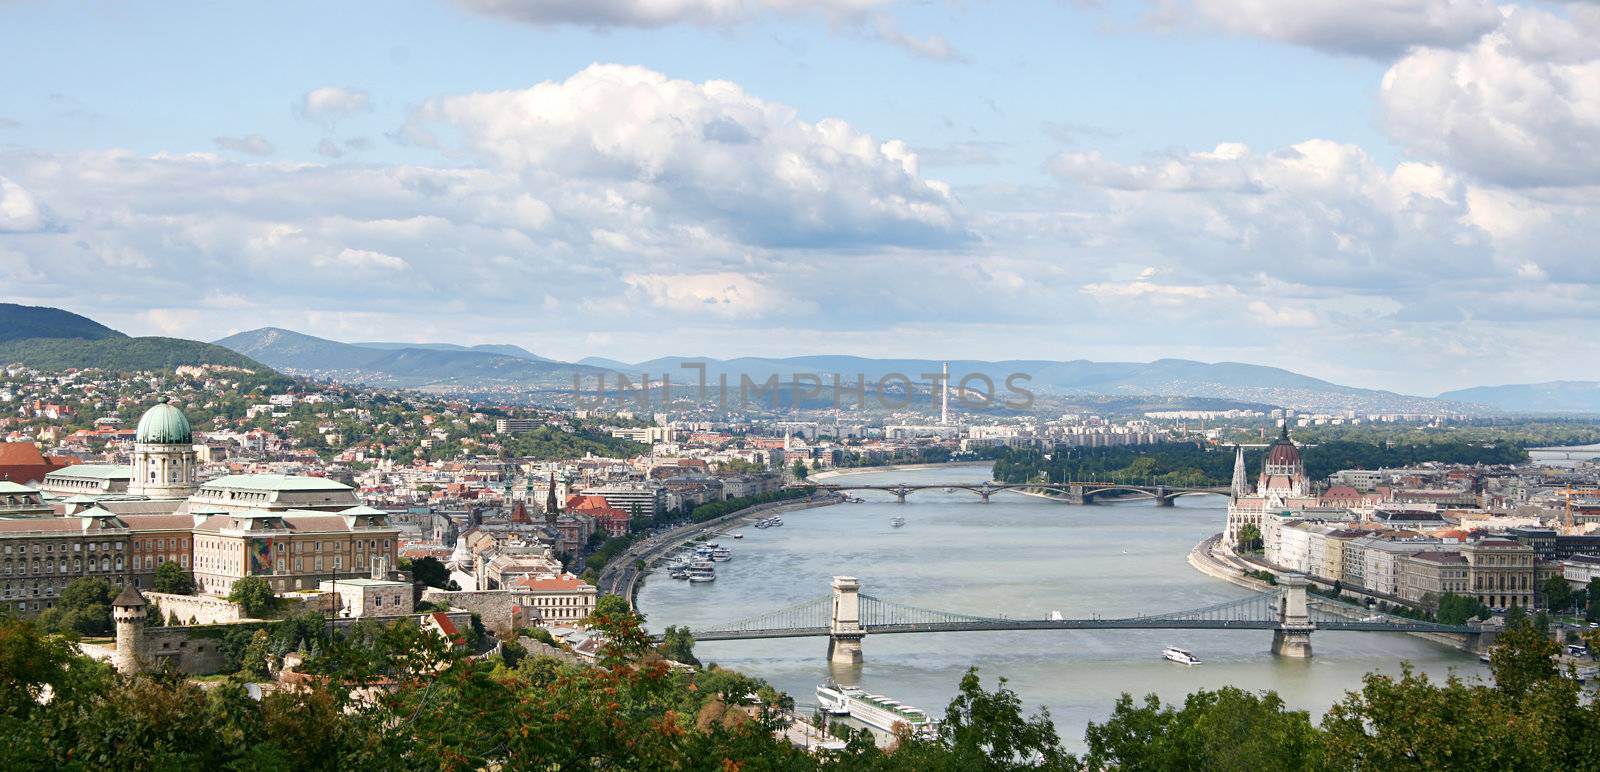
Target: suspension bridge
point(1070, 492)
point(846, 616)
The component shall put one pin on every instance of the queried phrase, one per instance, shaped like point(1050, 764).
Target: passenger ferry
point(1180, 656)
point(721, 554)
point(874, 710)
point(702, 570)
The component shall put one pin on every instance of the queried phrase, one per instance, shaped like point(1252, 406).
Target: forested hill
point(1199, 465)
point(53, 339)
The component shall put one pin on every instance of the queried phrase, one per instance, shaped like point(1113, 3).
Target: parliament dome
point(164, 424)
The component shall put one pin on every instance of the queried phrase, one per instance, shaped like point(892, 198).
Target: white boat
point(897, 522)
point(1180, 656)
point(738, 536)
point(721, 554)
point(702, 571)
point(874, 710)
point(1055, 616)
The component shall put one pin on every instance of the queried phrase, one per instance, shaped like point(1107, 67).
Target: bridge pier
point(1293, 636)
point(844, 625)
point(1164, 497)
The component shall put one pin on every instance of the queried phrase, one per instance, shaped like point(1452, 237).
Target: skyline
point(1372, 198)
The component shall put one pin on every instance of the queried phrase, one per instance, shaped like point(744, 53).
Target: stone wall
point(494, 607)
point(196, 609)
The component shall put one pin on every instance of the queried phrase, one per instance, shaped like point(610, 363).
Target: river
point(1022, 557)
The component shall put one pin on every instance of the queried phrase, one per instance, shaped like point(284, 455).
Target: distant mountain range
point(1547, 397)
point(53, 339)
point(401, 364)
point(447, 365)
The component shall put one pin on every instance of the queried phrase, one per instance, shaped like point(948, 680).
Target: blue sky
point(1383, 193)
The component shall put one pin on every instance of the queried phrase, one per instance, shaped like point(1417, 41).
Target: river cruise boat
point(898, 522)
point(678, 572)
point(1180, 656)
point(702, 571)
point(721, 554)
point(874, 710)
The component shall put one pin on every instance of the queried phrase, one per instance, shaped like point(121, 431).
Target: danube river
point(1023, 557)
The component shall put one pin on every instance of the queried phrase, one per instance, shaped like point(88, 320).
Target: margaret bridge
point(847, 615)
point(1069, 492)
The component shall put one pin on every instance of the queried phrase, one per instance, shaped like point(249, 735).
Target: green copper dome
point(164, 424)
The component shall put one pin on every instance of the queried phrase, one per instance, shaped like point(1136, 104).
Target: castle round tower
point(128, 611)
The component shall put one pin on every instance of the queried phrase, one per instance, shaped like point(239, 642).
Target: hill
point(1546, 397)
point(54, 339)
point(503, 349)
point(396, 364)
point(1255, 384)
point(22, 322)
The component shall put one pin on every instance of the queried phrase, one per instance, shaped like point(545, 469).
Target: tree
point(986, 730)
point(430, 572)
point(1250, 538)
point(1593, 591)
point(1557, 593)
point(172, 579)
point(678, 645)
point(1226, 729)
point(83, 608)
point(254, 595)
point(1515, 616)
point(1457, 609)
point(1522, 657)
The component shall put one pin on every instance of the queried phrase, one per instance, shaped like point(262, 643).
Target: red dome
point(1283, 453)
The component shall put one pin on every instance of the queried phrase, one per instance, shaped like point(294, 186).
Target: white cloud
point(706, 153)
point(1520, 107)
point(885, 28)
point(330, 103)
point(1282, 315)
point(725, 295)
point(657, 13)
point(1375, 28)
point(19, 211)
point(250, 144)
point(361, 259)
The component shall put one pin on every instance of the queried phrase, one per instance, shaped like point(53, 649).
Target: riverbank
point(621, 577)
point(832, 473)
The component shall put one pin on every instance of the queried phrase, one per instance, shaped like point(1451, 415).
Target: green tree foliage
point(1227, 729)
point(84, 608)
point(1457, 609)
point(717, 509)
point(800, 470)
point(1592, 612)
point(1522, 656)
point(1556, 593)
point(678, 645)
point(1249, 538)
point(254, 595)
point(429, 571)
point(172, 579)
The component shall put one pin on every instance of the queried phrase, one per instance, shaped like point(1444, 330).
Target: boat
point(897, 522)
point(738, 536)
point(678, 572)
point(874, 710)
point(1055, 616)
point(702, 571)
point(1180, 656)
point(777, 521)
point(721, 554)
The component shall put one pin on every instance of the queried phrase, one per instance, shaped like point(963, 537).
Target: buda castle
point(120, 522)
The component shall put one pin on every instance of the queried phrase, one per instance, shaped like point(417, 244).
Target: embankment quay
point(621, 577)
point(1212, 559)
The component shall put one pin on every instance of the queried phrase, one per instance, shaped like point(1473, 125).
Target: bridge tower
point(844, 627)
point(1293, 636)
point(1164, 497)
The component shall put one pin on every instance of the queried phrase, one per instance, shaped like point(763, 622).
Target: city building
point(1502, 572)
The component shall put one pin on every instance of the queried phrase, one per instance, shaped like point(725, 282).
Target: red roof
point(562, 583)
point(22, 462)
point(1283, 453)
point(448, 627)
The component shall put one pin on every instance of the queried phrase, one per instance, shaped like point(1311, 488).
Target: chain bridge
point(1070, 492)
point(846, 616)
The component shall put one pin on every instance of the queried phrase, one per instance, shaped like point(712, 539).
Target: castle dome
point(164, 424)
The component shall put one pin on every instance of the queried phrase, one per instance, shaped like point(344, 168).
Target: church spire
point(552, 507)
point(1240, 487)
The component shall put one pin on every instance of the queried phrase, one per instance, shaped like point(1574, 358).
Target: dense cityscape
point(500, 385)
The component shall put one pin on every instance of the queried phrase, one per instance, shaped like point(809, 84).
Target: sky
point(1384, 193)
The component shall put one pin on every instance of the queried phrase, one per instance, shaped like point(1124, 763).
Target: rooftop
point(94, 471)
point(276, 482)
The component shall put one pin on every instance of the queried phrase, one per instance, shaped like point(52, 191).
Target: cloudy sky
point(1390, 193)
